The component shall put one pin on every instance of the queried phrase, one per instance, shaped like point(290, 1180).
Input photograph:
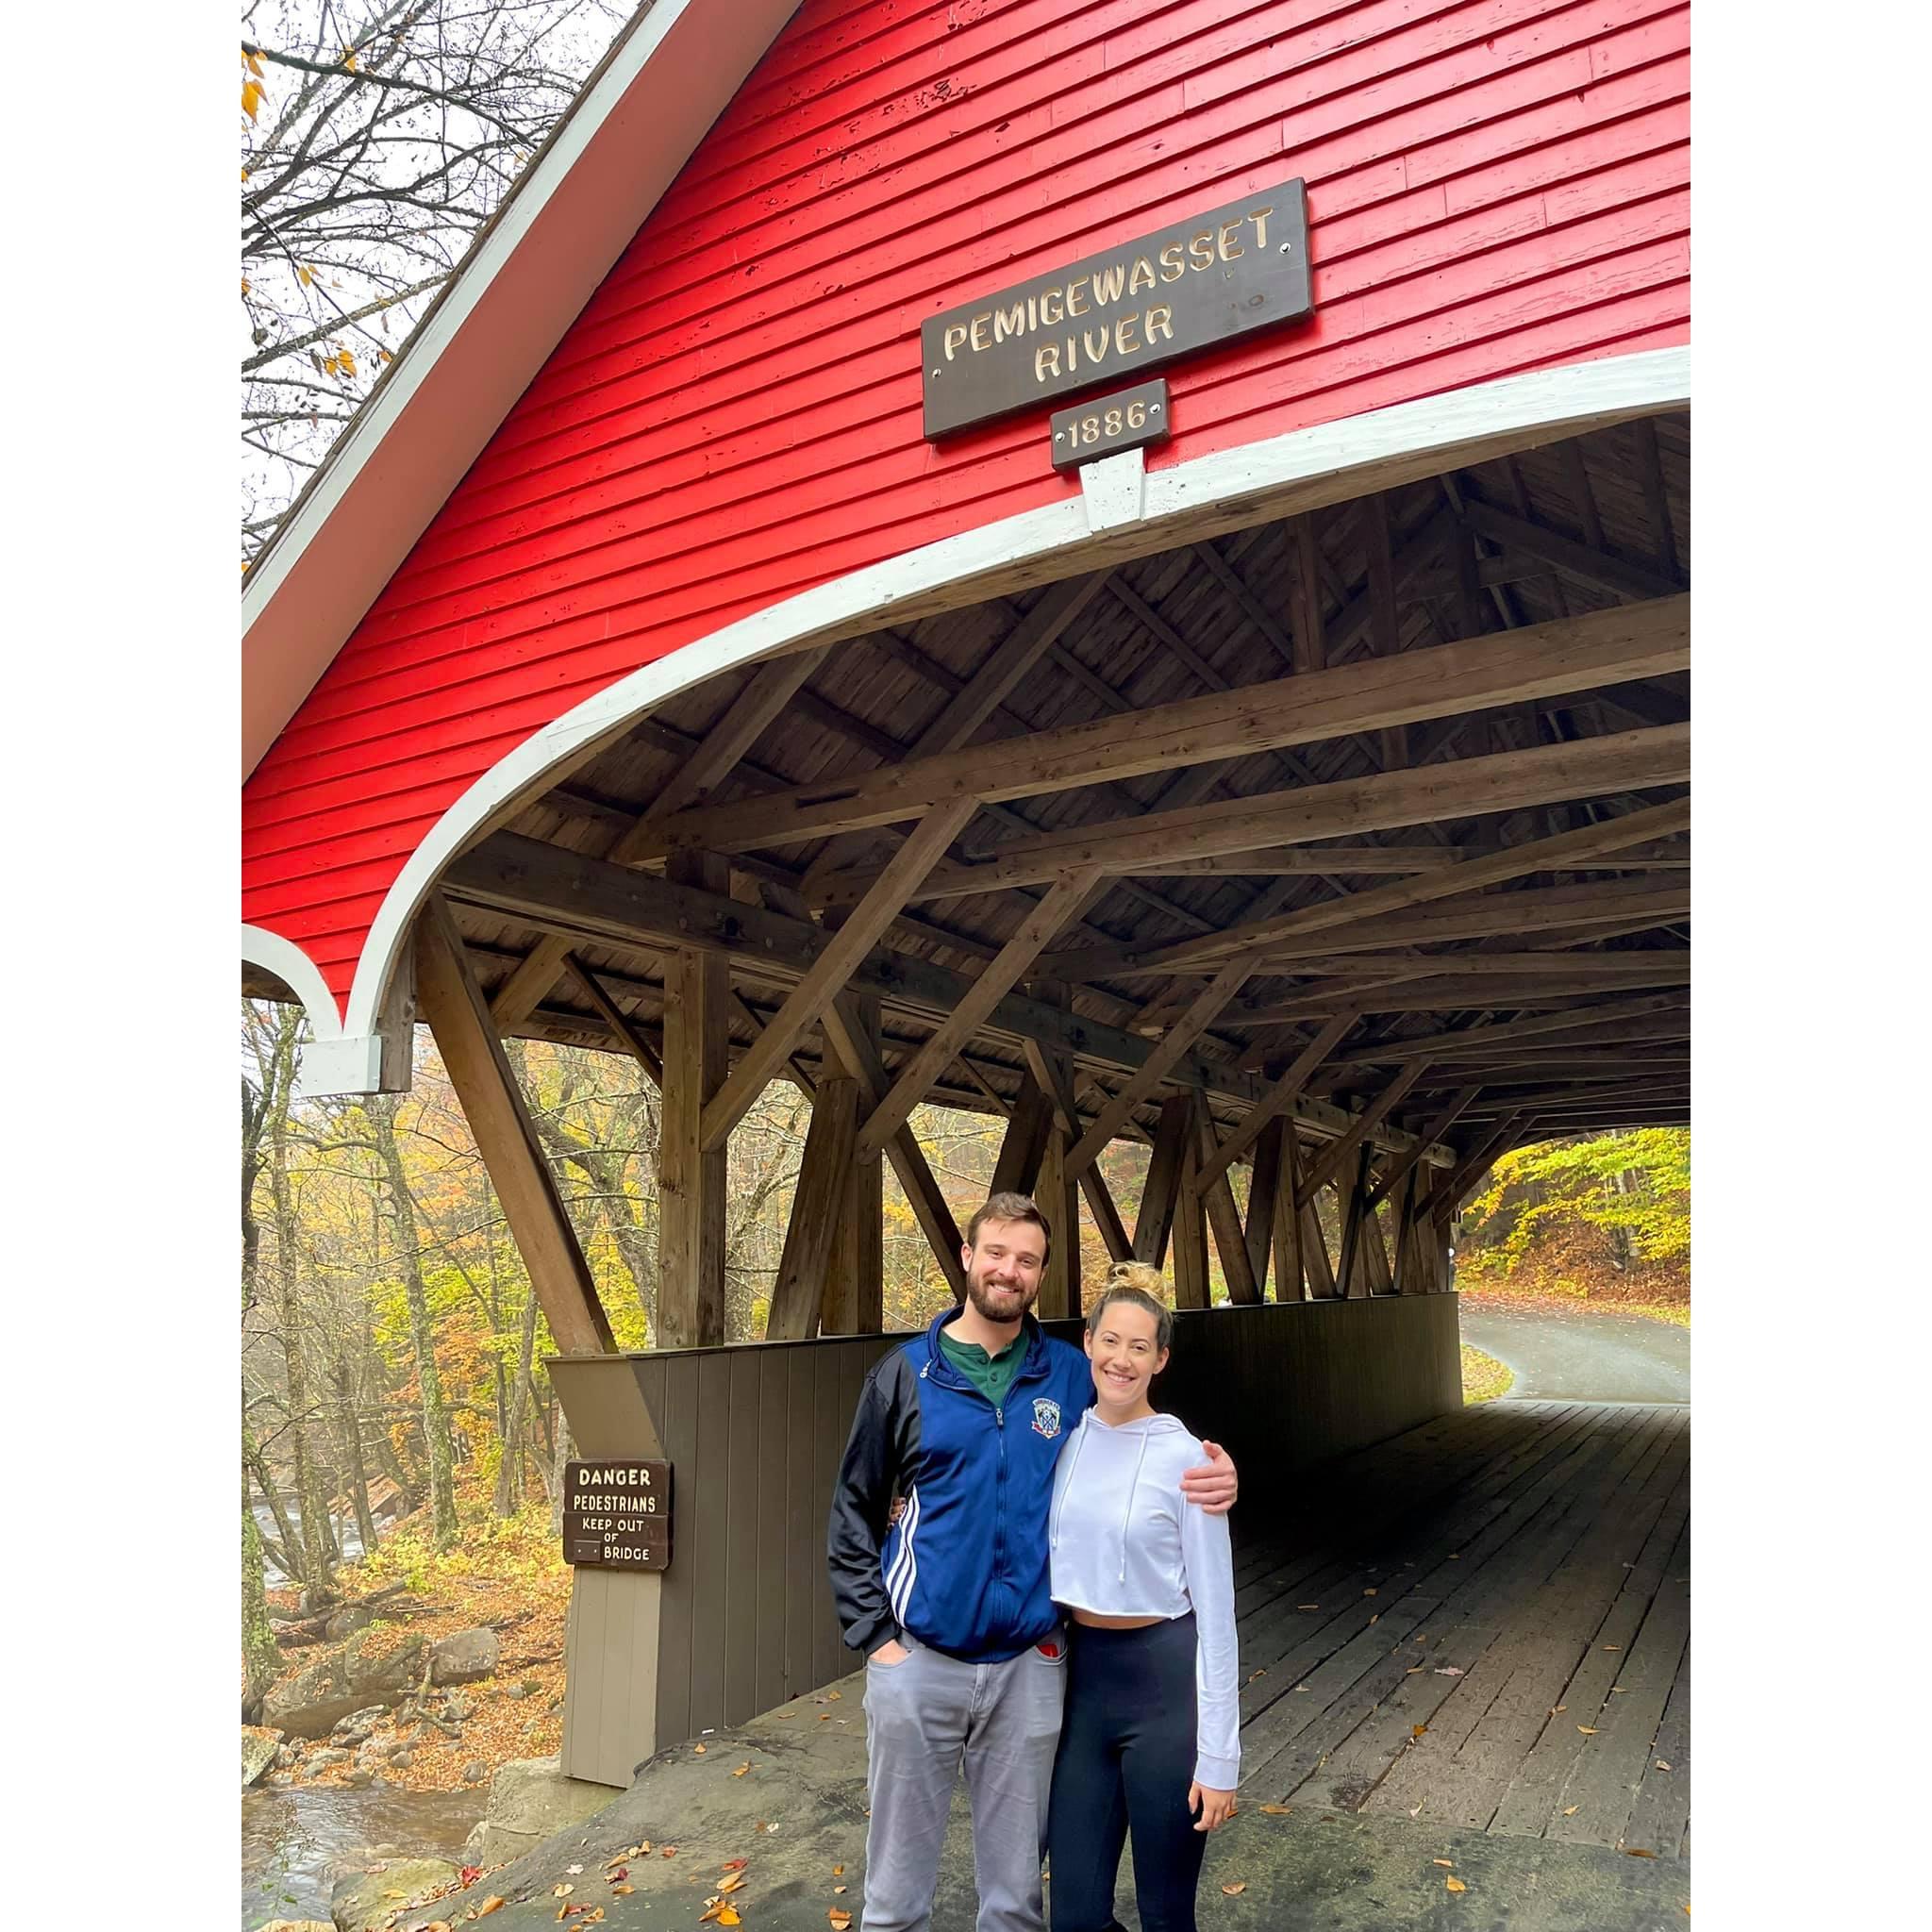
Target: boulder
point(259, 1749)
point(367, 1900)
point(359, 1777)
point(328, 1759)
point(357, 1720)
point(347, 1621)
point(476, 1771)
point(529, 1799)
point(464, 1658)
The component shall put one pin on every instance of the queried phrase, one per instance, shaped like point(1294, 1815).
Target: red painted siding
point(1494, 185)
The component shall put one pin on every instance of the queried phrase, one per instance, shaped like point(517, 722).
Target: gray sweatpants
point(923, 1717)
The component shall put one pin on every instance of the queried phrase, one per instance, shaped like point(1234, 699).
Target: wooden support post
point(1348, 1270)
point(854, 1301)
point(1016, 1170)
point(857, 1042)
point(1052, 1072)
point(1058, 1197)
point(1263, 1189)
point(691, 1176)
point(459, 1018)
point(1161, 1194)
point(818, 1204)
point(1189, 1229)
point(1291, 1272)
point(1281, 1098)
point(1381, 1274)
point(1415, 1267)
point(1328, 1166)
point(1223, 1216)
point(1322, 1283)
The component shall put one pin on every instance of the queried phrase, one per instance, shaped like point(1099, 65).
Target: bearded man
point(947, 1597)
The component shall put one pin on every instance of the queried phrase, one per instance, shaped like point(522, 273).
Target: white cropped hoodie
point(1126, 1542)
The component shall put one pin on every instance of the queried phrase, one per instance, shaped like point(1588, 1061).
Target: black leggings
point(1126, 1759)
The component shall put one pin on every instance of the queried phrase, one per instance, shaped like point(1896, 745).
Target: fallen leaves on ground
point(1447, 1864)
point(1662, 1765)
point(1307, 1607)
point(1418, 1730)
point(1448, 1671)
point(1571, 1810)
point(562, 1891)
point(622, 1890)
point(699, 1749)
point(1588, 1730)
point(1637, 1851)
point(741, 1770)
point(1274, 1810)
point(732, 1883)
point(1369, 1592)
point(1454, 1884)
point(1236, 1889)
point(734, 1864)
point(493, 1903)
point(840, 1918)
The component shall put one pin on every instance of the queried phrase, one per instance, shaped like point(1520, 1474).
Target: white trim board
point(510, 304)
point(1330, 463)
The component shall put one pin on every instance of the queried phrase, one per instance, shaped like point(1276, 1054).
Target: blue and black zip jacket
point(965, 1568)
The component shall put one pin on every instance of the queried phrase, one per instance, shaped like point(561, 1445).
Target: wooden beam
point(628, 1035)
point(1161, 1191)
point(1280, 1097)
point(1466, 788)
point(770, 687)
point(1176, 1040)
point(1050, 1072)
point(988, 688)
point(1347, 1268)
point(1448, 1194)
point(1345, 862)
point(453, 1004)
point(1309, 648)
point(1291, 1267)
point(1558, 659)
point(1402, 1165)
point(1619, 576)
point(818, 1204)
point(1328, 1162)
point(589, 898)
point(1264, 1184)
point(846, 1027)
point(1190, 1288)
point(853, 1300)
point(691, 1175)
point(1016, 1168)
point(1223, 1215)
point(829, 973)
point(1451, 1039)
point(1058, 1198)
point(1064, 904)
point(1400, 895)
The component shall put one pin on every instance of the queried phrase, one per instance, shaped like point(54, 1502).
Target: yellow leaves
point(494, 1903)
point(244, 285)
point(251, 98)
point(1454, 1884)
point(1236, 1889)
point(1369, 1592)
point(731, 1884)
point(244, 173)
point(622, 1890)
point(1588, 1730)
point(741, 1770)
point(303, 275)
point(349, 60)
point(1274, 1810)
point(727, 1917)
point(1571, 1810)
point(1447, 1864)
point(562, 1891)
point(840, 1918)
point(838, 1871)
point(1418, 1731)
point(1662, 1765)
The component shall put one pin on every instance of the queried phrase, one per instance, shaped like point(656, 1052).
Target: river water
point(288, 1837)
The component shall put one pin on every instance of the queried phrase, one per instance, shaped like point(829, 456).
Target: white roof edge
point(525, 279)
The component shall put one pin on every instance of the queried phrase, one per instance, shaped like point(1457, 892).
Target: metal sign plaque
point(617, 1515)
point(1129, 419)
point(1185, 288)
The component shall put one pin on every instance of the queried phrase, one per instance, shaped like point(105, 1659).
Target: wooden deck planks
point(1468, 1578)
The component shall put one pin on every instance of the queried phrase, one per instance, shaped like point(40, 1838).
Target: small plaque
point(1129, 419)
point(617, 1515)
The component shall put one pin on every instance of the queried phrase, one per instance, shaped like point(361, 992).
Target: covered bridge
point(666, 661)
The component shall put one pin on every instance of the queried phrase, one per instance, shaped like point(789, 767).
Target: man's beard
point(999, 1303)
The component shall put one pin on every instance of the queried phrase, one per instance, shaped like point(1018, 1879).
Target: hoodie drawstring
point(1127, 1521)
point(1053, 1542)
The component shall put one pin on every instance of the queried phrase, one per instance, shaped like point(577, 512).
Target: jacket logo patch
point(1046, 1417)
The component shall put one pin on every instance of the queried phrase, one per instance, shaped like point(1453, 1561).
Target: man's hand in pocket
point(890, 1652)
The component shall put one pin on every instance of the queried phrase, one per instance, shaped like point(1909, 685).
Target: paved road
point(1586, 1358)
